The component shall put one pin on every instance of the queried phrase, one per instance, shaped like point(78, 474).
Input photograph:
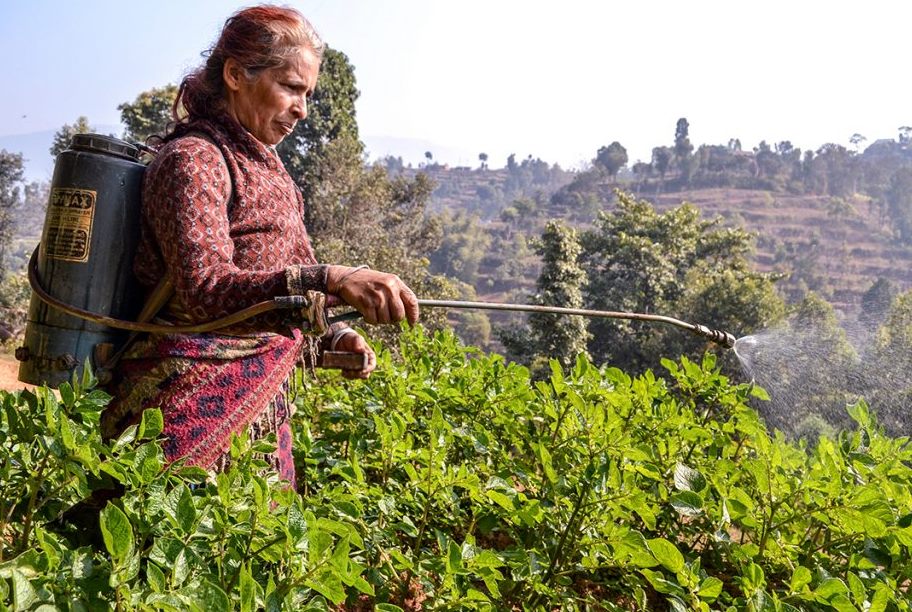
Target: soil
point(9, 370)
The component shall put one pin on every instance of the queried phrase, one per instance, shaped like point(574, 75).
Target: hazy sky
point(553, 79)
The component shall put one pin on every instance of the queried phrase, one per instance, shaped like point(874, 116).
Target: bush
point(14, 302)
point(452, 483)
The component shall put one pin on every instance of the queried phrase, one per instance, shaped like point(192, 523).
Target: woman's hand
point(352, 342)
point(378, 296)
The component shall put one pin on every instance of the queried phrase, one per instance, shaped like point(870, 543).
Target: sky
point(555, 80)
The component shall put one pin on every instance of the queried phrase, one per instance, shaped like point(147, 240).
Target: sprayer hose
point(608, 314)
point(719, 337)
point(232, 319)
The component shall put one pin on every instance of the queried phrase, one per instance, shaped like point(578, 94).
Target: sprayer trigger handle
point(340, 360)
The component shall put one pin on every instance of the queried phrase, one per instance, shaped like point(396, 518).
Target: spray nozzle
point(723, 339)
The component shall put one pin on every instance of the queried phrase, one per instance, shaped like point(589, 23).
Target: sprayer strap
point(164, 290)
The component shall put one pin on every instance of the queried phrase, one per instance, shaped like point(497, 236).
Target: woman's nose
point(299, 108)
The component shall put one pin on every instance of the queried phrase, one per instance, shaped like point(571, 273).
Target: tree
point(642, 172)
point(149, 114)
point(899, 203)
point(769, 164)
point(550, 336)
point(683, 149)
point(640, 260)
point(875, 302)
point(905, 135)
point(856, 140)
point(474, 328)
point(66, 132)
point(661, 159)
point(841, 169)
point(611, 158)
point(461, 248)
point(11, 175)
point(483, 158)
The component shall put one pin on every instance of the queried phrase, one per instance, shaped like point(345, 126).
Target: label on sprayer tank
point(68, 229)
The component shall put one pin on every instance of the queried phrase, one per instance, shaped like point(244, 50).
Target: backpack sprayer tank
point(85, 258)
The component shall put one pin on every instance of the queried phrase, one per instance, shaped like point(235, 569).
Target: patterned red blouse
point(224, 218)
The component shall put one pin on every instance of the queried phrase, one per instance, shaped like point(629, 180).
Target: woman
point(223, 220)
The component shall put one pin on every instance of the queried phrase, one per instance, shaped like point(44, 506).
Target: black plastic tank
point(85, 258)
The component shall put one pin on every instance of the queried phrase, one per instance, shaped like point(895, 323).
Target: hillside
point(835, 246)
point(831, 245)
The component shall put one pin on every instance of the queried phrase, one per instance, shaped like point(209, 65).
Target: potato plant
point(452, 481)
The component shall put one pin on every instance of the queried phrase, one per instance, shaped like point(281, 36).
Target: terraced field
point(837, 247)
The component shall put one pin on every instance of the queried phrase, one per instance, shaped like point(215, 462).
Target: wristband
point(338, 334)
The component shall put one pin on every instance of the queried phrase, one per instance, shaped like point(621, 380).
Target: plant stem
point(556, 556)
point(34, 485)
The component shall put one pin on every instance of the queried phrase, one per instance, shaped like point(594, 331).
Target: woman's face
point(270, 104)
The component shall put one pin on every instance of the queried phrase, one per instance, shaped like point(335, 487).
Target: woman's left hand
point(354, 343)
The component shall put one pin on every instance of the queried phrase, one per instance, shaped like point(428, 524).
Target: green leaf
point(831, 587)
point(710, 588)
point(857, 587)
point(362, 585)
point(454, 558)
point(760, 393)
point(666, 553)
point(67, 394)
point(155, 577)
point(211, 597)
point(502, 500)
point(66, 434)
point(247, 587)
point(88, 378)
point(387, 607)
point(860, 413)
point(800, 577)
point(181, 567)
point(263, 446)
point(151, 425)
point(882, 598)
point(687, 503)
point(149, 462)
point(688, 479)
point(125, 438)
point(340, 559)
point(24, 594)
point(754, 576)
point(117, 532)
point(661, 584)
point(330, 587)
point(545, 457)
point(186, 512)
point(297, 524)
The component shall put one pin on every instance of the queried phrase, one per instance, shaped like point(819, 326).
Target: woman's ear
point(232, 73)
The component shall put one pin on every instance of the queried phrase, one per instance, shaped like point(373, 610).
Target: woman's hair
point(258, 38)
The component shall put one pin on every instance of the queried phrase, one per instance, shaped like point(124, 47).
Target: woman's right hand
point(378, 296)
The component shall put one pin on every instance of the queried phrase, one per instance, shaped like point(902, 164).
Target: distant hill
point(836, 246)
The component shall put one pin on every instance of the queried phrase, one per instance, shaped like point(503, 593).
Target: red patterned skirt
point(209, 387)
